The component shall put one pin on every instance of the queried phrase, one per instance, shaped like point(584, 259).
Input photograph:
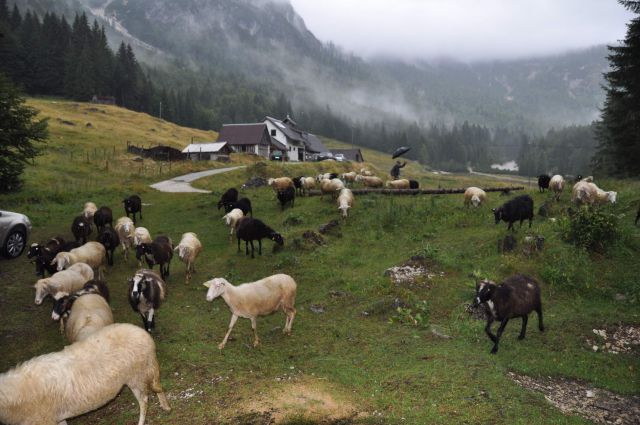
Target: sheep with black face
point(250, 229)
point(517, 296)
point(133, 205)
point(518, 208)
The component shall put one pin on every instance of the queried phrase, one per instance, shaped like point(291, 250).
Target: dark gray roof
point(243, 134)
point(314, 144)
point(288, 131)
point(289, 127)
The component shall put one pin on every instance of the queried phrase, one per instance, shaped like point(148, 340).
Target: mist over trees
point(619, 129)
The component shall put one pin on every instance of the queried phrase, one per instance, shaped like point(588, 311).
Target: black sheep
point(133, 205)
point(102, 217)
point(44, 254)
point(243, 204)
point(519, 208)
point(81, 228)
point(286, 196)
point(250, 229)
point(230, 196)
point(543, 182)
point(517, 296)
point(297, 182)
point(160, 252)
point(414, 184)
point(110, 240)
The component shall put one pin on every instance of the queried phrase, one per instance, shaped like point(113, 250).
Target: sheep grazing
point(370, 181)
point(91, 253)
point(232, 219)
point(398, 184)
point(587, 193)
point(517, 296)
point(474, 196)
point(518, 208)
point(230, 196)
point(188, 250)
point(110, 240)
point(250, 229)
point(365, 172)
point(89, 210)
point(556, 185)
point(133, 205)
point(281, 183)
point(332, 187)
point(308, 183)
point(82, 377)
point(349, 177)
point(286, 196)
point(147, 291)
point(81, 228)
point(160, 252)
point(254, 299)
point(87, 314)
point(44, 254)
point(543, 182)
point(345, 201)
point(63, 282)
point(243, 204)
point(102, 217)
point(414, 184)
point(126, 233)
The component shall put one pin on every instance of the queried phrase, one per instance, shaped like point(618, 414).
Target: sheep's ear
point(207, 284)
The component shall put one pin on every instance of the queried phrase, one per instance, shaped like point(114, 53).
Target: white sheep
point(188, 250)
point(398, 184)
point(91, 253)
point(126, 232)
point(365, 172)
point(308, 183)
point(474, 196)
point(556, 185)
point(141, 235)
point(89, 210)
point(232, 218)
point(345, 201)
point(63, 282)
point(349, 177)
point(585, 192)
point(88, 314)
point(370, 181)
point(254, 299)
point(333, 187)
point(280, 183)
point(84, 376)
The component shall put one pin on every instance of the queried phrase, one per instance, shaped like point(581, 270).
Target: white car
point(339, 157)
point(15, 229)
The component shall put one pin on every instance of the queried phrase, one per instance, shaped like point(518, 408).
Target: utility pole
point(161, 110)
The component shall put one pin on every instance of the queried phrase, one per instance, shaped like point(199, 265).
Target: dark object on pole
point(400, 151)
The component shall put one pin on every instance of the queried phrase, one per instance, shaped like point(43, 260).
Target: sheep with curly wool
point(556, 185)
point(92, 253)
point(345, 202)
point(84, 376)
point(126, 231)
point(63, 282)
point(188, 250)
point(260, 298)
point(587, 193)
point(474, 196)
point(232, 219)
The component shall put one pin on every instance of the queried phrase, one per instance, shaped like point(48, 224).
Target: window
point(273, 132)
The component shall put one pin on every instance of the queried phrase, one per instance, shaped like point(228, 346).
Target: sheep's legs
point(231, 325)
point(523, 331)
point(260, 246)
point(291, 314)
point(143, 401)
point(503, 325)
point(487, 329)
point(156, 387)
point(540, 325)
point(256, 340)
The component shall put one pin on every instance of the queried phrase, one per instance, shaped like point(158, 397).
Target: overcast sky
point(468, 30)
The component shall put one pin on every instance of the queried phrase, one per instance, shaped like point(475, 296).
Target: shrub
point(417, 315)
point(592, 229)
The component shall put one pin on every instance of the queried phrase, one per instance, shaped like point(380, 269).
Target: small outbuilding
point(354, 155)
point(218, 151)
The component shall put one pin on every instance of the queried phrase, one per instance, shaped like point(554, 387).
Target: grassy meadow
point(352, 357)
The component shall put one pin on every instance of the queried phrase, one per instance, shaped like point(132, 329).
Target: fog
point(466, 30)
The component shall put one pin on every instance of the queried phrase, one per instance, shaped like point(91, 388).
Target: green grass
point(342, 360)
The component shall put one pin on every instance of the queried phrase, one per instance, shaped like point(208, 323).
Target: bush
point(591, 229)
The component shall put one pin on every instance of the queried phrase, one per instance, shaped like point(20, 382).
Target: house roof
point(349, 154)
point(314, 144)
point(242, 134)
point(288, 131)
point(290, 128)
point(204, 147)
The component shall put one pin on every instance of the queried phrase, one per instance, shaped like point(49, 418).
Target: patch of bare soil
point(416, 272)
point(620, 339)
point(288, 400)
point(595, 404)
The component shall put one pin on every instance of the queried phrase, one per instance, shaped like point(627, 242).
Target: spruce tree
point(619, 129)
point(19, 136)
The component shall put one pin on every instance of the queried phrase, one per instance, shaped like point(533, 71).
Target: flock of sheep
point(104, 356)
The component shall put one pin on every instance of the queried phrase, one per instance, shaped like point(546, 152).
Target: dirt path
point(182, 184)
point(509, 178)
